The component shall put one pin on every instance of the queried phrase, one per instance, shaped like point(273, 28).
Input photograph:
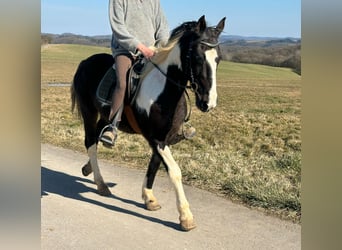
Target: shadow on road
point(72, 187)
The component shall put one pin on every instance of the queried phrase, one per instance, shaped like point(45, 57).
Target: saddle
point(107, 85)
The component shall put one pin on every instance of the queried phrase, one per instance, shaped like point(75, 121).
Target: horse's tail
point(73, 93)
point(86, 79)
point(73, 98)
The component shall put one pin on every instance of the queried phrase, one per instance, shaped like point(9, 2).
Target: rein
point(187, 118)
point(193, 86)
point(168, 78)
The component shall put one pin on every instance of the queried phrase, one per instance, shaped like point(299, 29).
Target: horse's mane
point(186, 26)
point(162, 52)
point(160, 55)
point(175, 34)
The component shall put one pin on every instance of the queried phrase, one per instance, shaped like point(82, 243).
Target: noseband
point(210, 45)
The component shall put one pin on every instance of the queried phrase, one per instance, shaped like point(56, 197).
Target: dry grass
point(59, 61)
point(247, 149)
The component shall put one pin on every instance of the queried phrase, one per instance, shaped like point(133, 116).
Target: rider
point(136, 24)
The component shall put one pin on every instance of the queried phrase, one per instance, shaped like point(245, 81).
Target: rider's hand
point(146, 51)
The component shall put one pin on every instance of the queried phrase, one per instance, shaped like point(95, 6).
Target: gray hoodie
point(134, 22)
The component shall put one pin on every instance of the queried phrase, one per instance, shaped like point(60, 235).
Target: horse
point(159, 109)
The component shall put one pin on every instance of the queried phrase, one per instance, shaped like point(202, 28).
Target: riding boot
point(109, 133)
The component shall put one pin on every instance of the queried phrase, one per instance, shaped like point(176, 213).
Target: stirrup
point(108, 136)
point(187, 131)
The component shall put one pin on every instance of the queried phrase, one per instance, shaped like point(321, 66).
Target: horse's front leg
point(185, 215)
point(147, 193)
point(102, 188)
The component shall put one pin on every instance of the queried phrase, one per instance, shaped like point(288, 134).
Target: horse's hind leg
point(102, 188)
point(147, 193)
point(90, 127)
point(86, 169)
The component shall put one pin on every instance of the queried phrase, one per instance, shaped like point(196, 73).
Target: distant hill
point(254, 38)
point(104, 40)
point(69, 38)
point(277, 52)
point(273, 51)
point(259, 42)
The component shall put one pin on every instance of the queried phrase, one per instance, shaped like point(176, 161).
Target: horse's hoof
point(187, 225)
point(86, 170)
point(103, 190)
point(153, 206)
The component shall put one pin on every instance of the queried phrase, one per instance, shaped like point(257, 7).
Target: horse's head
point(201, 60)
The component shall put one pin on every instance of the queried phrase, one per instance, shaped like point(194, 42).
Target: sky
point(270, 18)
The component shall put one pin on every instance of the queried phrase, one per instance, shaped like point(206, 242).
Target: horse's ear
point(220, 25)
point(201, 24)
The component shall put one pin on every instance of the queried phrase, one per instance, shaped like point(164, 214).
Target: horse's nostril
point(204, 106)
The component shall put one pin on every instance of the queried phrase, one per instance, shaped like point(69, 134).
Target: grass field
point(248, 149)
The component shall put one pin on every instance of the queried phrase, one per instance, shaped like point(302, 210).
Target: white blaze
point(211, 56)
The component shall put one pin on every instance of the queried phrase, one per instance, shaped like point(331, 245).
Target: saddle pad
point(106, 87)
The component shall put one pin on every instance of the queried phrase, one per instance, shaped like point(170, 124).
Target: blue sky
point(275, 18)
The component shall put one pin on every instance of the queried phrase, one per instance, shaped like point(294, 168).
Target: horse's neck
point(164, 84)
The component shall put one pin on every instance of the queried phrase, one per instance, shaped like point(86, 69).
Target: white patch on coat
point(211, 56)
point(154, 82)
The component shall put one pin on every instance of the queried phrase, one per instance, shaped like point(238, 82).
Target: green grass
point(248, 149)
point(241, 71)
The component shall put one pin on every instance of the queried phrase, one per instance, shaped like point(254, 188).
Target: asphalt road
point(74, 216)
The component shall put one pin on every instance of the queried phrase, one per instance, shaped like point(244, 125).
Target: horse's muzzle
point(203, 106)
point(205, 103)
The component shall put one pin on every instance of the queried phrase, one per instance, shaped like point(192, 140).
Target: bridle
point(193, 84)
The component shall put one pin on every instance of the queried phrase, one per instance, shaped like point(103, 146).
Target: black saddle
point(107, 85)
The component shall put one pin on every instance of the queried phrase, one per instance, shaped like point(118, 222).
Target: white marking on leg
point(146, 192)
point(92, 153)
point(211, 56)
point(149, 198)
point(176, 178)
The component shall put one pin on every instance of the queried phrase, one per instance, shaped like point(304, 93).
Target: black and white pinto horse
point(159, 109)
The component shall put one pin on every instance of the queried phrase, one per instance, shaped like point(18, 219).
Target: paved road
point(73, 216)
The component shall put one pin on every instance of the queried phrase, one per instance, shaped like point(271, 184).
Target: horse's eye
point(203, 47)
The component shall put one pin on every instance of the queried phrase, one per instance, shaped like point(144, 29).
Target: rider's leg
point(122, 65)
